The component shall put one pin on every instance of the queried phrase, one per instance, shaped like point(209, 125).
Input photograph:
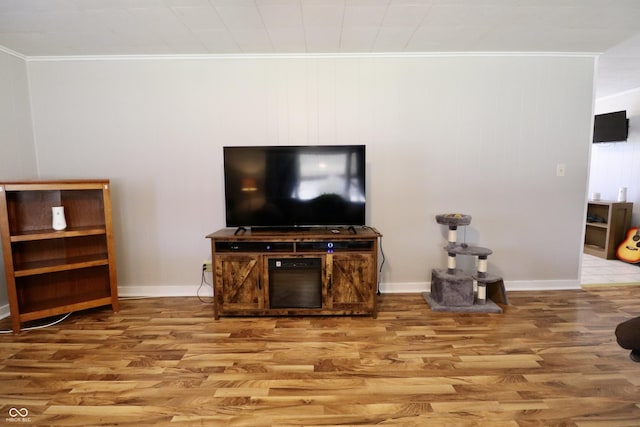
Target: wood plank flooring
point(550, 359)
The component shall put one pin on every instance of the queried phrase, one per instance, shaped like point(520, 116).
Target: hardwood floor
point(550, 359)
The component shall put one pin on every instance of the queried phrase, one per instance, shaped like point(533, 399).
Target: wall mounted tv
point(611, 127)
point(294, 186)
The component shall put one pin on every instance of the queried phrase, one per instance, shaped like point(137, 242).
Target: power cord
point(203, 282)
point(33, 328)
point(381, 264)
point(367, 227)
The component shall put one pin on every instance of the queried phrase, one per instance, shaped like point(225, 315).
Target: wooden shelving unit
point(603, 238)
point(51, 272)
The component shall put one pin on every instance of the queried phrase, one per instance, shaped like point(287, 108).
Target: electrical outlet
point(207, 266)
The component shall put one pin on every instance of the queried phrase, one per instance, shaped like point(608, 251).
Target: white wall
point(17, 153)
point(480, 135)
point(617, 164)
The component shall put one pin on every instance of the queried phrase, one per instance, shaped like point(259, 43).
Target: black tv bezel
point(610, 127)
point(292, 225)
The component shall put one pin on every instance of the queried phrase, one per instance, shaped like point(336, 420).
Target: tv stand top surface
point(333, 233)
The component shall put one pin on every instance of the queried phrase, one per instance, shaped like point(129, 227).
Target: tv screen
point(293, 186)
point(611, 127)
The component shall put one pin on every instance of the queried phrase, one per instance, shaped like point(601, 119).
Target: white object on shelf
point(622, 194)
point(59, 221)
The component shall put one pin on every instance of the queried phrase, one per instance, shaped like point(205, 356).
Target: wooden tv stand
point(317, 271)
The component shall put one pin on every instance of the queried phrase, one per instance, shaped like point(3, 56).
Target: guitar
point(629, 250)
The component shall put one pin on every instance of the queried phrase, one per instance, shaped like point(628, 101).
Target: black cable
point(367, 227)
point(203, 281)
point(381, 264)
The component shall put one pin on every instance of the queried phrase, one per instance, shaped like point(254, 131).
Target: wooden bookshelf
point(51, 272)
point(603, 238)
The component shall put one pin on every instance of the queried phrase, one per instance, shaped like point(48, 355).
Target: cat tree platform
point(453, 289)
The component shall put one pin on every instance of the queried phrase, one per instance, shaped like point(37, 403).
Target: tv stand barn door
point(311, 272)
point(238, 279)
point(350, 277)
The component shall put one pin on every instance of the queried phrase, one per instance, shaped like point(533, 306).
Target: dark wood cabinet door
point(238, 282)
point(350, 281)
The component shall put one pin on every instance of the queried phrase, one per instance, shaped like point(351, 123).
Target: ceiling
point(35, 28)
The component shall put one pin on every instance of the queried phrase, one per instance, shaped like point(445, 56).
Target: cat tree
point(453, 289)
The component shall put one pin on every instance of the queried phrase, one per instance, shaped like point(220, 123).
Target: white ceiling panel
point(199, 17)
point(364, 14)
point(408, 16)
point(219, 41)
point(281, 14)
point(253, 40)
point(287, 40)
point(187, 3)
point(244, 17)
point(389, 38)
point(323, 15)
point(357, 37)
point(399, 25)
point(145, 27)
point(322, 40)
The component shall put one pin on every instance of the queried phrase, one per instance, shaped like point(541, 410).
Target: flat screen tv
point(294, 186)
point(611, 127)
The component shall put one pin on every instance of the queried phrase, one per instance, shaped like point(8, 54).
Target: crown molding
point(306, 56)
point(617, 94)
point(12, 53)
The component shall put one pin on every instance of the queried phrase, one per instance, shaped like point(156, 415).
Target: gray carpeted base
point(489, 307)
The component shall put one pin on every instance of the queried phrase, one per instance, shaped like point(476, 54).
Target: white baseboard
point(4, 311)
point(523, 285)
point(191, 290)
point(385, 288)
point(405, 287)
point(542, 285)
